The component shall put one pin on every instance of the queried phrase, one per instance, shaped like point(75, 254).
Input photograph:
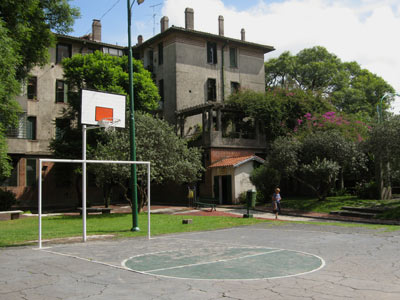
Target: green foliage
point(278, 109)
point(170, 157)
point(350, 88)
point(25, 36)
point(9, 88)
point(384, 142)
point(29, 24)
point(265, 179)
point(7, 199)
point(103, 72)
point(316, 159)
point(367, 190)
point(350, 127)
point(320, 174)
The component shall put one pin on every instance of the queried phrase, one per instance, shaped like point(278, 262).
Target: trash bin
point(251, 198)
point(251, 202)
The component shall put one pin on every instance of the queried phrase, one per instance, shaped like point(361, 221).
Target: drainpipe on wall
point(222, 72)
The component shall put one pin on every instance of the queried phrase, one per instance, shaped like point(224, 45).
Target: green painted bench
point(206, 202)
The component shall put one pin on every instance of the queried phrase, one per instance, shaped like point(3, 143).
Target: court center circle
point(225, 263)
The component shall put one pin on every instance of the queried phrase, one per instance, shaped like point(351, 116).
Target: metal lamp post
point(380, 104)
point(135, 226)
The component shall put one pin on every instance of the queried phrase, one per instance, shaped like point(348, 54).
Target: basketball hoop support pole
point(135, 226)
point(84, 129)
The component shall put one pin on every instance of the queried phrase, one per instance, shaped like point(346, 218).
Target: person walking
point(276, 202)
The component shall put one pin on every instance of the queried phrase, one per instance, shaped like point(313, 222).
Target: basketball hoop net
point(108, 123)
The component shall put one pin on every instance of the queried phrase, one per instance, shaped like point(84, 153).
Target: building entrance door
point(224, 194)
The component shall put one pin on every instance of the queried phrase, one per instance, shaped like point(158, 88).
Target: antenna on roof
point(154, 17)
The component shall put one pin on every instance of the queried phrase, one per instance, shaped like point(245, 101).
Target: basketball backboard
point(99, 106)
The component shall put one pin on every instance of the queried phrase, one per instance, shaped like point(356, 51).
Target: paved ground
point(360, 263)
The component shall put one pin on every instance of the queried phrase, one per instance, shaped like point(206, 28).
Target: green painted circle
point(222, 263)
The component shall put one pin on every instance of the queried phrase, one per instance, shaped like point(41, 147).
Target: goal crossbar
point(83, 161)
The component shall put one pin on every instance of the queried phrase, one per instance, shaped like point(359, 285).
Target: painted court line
point(211, 262)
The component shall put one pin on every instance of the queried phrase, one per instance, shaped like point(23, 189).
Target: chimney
point(243, 34)
point(189, 18)
point(139, 39)
point(96, 30)
point(164, 23)
point(221, 25)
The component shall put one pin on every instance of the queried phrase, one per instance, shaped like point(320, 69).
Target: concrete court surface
point(359, 263)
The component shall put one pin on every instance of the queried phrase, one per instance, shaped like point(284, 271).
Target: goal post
point(41, 160)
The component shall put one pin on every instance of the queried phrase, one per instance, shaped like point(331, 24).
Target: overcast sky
point(355, 30)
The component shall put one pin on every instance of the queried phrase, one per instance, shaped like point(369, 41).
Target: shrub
point(367, 190)
point(7, 199)
point(266, 179)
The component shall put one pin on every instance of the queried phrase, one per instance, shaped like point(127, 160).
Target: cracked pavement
point(361, 263)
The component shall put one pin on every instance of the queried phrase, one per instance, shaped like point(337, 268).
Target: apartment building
point(195, 72)
point(43, 98)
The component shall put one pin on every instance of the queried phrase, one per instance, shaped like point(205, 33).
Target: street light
point(380, 104)
point(135, 226)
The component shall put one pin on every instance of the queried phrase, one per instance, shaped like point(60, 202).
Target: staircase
point(358, 212)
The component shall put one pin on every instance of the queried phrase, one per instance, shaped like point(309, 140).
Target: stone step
point(373, 210)
point(357, 214)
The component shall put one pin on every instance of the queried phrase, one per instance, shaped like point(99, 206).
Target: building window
point(63, 51)
point(211, 53)
point(211, 89)
point(233, 57)
point(13, 179)
point(150, 57)
point(18, 132)
point(61, 91)
point(32, 88)
point(235, 86)
point(161, 90)
point(31, 128)
point(160, 53)
point(30, 171)
point(113, 51)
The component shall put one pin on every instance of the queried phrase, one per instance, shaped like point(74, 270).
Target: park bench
point(14, 214)
point(102, 210)
point(206, 202)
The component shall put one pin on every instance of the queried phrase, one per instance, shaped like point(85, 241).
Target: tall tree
point(384, 144)
point(316, 159)
point(349, 87)
point(30, 22)
point(9, 88)
point(25, 36)
point(278, 109)
point(101, 72)
point(170, 157)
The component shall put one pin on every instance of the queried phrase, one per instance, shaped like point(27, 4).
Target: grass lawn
point(336, 203)
point(24, 231)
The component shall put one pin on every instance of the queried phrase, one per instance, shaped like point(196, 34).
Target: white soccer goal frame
point(84, 162)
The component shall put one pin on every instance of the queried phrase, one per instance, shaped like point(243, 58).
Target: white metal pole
point(148, 201)
point(40, 204)
point(84, 181)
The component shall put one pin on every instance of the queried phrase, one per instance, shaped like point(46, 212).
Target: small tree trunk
point(341, 179)
point(106, 194)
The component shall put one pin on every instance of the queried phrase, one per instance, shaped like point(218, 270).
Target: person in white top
point(276, 202)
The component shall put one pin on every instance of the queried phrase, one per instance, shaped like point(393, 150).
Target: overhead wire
point(104, 14)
